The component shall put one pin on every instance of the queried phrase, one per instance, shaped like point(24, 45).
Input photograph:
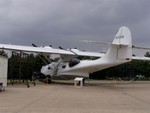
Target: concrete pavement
point(62, 97)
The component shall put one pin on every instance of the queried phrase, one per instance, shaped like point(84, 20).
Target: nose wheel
point(49, 79)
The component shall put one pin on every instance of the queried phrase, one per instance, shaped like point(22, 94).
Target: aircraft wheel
point(49, 79)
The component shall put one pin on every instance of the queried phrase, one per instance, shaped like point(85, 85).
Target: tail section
point(121, 47)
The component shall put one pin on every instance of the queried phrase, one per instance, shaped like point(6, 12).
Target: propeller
point(60, 47)
point(34, 45)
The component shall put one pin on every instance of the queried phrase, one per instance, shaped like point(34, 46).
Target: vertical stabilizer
point(123, 37)
point(121, 47)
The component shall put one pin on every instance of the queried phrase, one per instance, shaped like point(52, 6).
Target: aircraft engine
point(48, 70)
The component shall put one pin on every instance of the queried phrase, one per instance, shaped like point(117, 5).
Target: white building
point(3, 70)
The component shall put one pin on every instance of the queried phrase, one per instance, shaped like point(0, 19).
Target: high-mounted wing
point(138, 47)
point(96, 42)
point(141, 58)
point(49, 50)
point(85, 53)
point(35, 49)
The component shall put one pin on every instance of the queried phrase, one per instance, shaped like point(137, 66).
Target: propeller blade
point(34, 45)
point(60, 47)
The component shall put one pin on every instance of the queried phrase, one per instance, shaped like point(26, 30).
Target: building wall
point(3, 70)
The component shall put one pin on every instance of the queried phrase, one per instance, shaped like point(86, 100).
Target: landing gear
point(1, 87)
point(83, 81)
point(49, 79)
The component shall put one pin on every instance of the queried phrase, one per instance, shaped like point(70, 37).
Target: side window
point(64, 66)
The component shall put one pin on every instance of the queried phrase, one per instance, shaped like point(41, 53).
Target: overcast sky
point(66, 22)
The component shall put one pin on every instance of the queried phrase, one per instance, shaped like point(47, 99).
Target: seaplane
point(119, 52)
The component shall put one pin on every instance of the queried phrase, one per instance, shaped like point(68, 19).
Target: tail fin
point(123, 37)
point(121, 47)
